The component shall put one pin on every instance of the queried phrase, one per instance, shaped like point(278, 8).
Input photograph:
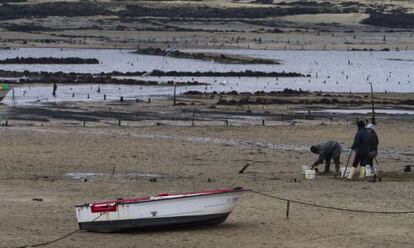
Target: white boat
point(164, 210)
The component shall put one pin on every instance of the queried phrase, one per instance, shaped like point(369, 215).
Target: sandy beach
point(38, 193)
point(58, 151)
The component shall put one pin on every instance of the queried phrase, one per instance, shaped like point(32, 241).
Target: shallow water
point(28, 95)
point(331, 71)
point(94, 175)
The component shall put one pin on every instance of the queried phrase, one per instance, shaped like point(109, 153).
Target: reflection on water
point(95, 175)
point(29, 95)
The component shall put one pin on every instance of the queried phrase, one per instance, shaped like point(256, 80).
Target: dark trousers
point(371, 157)
point(361, 159)
point(335, 154)
point(328, 163)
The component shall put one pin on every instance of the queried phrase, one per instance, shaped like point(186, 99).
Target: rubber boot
point(373, 170)
point(337, 170)
point(362, 172)
point(373, 174)
point(351, 173)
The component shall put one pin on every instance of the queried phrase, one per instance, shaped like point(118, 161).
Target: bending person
point(327, 151)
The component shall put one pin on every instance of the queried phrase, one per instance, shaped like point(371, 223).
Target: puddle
point(80, 176)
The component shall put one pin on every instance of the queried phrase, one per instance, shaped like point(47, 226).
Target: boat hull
point(162, 211)
point(153, 223)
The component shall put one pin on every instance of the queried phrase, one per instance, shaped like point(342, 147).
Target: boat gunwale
point(178, 196)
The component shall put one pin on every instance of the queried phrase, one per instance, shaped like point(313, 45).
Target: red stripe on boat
point(134, 200)
point(99, 208)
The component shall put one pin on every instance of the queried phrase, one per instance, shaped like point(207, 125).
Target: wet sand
point(36, 157)
point(43, 144)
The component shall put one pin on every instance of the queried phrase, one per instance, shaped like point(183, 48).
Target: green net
point(4, 87)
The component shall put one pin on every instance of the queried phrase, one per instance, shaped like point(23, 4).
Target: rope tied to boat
point(288, 201)
point(60, 238)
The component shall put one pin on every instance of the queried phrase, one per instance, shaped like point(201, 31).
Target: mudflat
point(39, 189)
point(263, 24)
point(57, 155)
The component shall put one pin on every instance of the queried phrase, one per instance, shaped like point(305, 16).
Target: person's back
point(361, 147)
point(373, 144)
point(373, 139)
point(327, 147)
point(361, 141)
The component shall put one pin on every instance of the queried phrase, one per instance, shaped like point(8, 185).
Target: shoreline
point(208, 110)
point(132, 48)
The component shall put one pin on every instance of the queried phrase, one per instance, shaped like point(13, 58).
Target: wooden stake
point(373, 107)
point(175, 94)
point(287, 209)
point(244, 168)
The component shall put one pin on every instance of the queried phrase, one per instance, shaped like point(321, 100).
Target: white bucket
point(342, 170)
point(310, 174)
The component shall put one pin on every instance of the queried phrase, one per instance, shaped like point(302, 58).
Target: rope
point(331, 208)
point(262, 194)
point(60, 238)
point(52, 241)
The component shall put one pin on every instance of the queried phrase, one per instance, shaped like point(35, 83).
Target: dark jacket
point(373, 140)
point(361, 142)
point(329, 148)
point(327, 151)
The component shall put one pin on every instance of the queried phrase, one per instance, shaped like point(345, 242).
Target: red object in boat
point(103, 207)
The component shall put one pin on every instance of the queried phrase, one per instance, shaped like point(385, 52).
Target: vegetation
point(216, 12)
point(15, 11)
point(220, 58)
point(247, 73)
point(391, 20)
point(49, 60)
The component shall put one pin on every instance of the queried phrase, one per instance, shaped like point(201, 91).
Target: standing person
point(373, 145)
point(361, 147)
point(327, 151)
